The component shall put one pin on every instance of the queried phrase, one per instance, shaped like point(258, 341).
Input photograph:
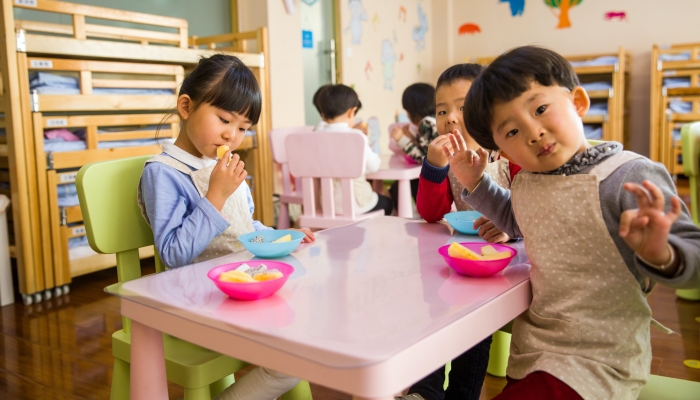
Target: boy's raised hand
point(436, 156)
point(226, 177)
point(645, 229)
point(467, 165)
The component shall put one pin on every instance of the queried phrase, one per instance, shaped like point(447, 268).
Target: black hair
point(226, 83)
point(335, 100)
point(316, 97)
point(419, 101)
point(509, 76)
point(466, 71)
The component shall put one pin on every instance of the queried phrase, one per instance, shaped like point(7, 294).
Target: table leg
point(148, 379)
point(405, 205)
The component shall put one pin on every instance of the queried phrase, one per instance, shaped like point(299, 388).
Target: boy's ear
point(351, 112)
point(581, 100)
point(184, 106)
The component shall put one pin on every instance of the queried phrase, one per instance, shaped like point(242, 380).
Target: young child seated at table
point(338, 105)
point(600, 225)
point(438, 188)
point(196, 206)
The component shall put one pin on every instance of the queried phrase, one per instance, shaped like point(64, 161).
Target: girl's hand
point(309, 235)
point(646, 228)
point(489, 232)
point(396, 134)
point(225, 179)
point(436, 156)
point(467, 165)
point(362, 126)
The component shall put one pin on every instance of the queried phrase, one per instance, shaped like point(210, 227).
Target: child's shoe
point(412, 396)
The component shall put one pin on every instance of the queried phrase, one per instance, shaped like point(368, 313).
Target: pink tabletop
point(359, 295)
point(395, 166)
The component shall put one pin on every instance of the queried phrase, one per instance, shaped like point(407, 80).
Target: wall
point(383, 53)
point(646, 23)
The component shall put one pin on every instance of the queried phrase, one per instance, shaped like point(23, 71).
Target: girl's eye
point(540, 110)
point(461, 108)
point(512, 133)
point(244, 130)
point(224, 120)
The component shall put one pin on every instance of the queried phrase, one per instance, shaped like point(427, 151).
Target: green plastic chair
point(114, 225)
point(690, 143)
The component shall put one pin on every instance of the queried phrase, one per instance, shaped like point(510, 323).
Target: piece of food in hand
point(258, 239)
point(285, 238)
point(458, 251)
point(268, 275)
point(236, 277)
point(221, 150)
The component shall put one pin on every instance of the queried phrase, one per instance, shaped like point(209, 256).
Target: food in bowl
point(488, 252)
point(245, 274)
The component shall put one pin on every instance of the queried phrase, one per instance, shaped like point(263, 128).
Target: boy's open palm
point(225, 178)
point(467, 165)
point(645, 229)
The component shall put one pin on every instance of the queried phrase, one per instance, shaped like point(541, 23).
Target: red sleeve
point(514, 169)
point(434, 200)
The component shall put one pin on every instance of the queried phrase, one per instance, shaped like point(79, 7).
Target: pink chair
point(328, 156)
point(279, 155)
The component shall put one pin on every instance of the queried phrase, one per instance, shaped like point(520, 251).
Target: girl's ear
point(581, 101)
point(351, 113)
point(184, 106)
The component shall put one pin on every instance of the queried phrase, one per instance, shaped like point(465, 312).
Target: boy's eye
point(225, 121)
point(512, 133)
point(540, 110)
point(441, 113)
point(244, 130)
point(461, 108)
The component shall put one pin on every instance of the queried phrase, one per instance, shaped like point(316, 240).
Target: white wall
point(648, 22)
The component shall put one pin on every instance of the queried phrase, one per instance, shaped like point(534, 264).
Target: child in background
point(419, 102)
point(599, 223)
point(338, 105)
point(196, 206)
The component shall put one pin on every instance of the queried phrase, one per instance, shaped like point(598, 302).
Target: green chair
point(662, 387)
point(114, 225)
point(690, 143)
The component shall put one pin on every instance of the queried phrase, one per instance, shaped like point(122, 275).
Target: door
point(318, 20)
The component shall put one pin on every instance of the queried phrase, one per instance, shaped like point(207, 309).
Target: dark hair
point(509, 76)
point(316, 97)
point(226, 83)
point(419, 101)
point(466, 71)
point(334, 100)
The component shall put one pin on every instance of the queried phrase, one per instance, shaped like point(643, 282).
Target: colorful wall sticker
point(618, 15)
point(402, 13)
point(420, 30)
point(357, 15)
point(469, 28)
point(563, 6)
point(388, 60)
point(375, 21)
point(309, 2)
point(368, 69)
point(517, 7)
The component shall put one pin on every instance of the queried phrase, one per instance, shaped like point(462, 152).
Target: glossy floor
point(61, 348)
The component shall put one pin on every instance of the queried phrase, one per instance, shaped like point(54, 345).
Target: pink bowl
point(477, 268)
point(410, 160)
point(251, 291)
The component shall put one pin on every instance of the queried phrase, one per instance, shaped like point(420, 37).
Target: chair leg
point(302, 391)
point(219, 386)
point(688, 294)
point(283, 217)
point(120, 380)
point(448, 367)
point(498, 356)
point(201, 393)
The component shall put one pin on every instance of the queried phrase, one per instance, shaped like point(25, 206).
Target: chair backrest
point(327, 156)
point(279, 151)
point(690, 145)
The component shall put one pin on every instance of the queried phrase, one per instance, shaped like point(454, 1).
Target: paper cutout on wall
point(289, 6)
point(375, 21)
point(563, 6)
point(309, 2)
point(357, 15)
point(517, 7)
point(418, 67)
point(400, 56)
point(396, 39)
point(420, 30)
point(469, 28)
point(368, 69)
point(402, 13)
point(373, 134)
point(619, 15)
point(388, 60)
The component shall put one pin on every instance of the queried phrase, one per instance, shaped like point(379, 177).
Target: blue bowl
point(463, 221)
point(271, 250)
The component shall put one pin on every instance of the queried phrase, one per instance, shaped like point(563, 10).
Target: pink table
point(396, 167)
point(370, 309)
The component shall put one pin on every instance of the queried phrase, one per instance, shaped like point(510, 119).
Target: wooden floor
point(60, 349)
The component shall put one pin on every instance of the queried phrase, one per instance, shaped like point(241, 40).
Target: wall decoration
point(289, 6)
point(388, 59)
point(368, 69)
point(396, 39)
point(400, 57)
point(374, 133)
point(420, 30)
point(357, 15)
point(309, 2)
point(517, 7)
point(469, 28)
point(619, 15)
point(418, 68)
point(375, 21)
point(402, 13)
point(563, 6)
